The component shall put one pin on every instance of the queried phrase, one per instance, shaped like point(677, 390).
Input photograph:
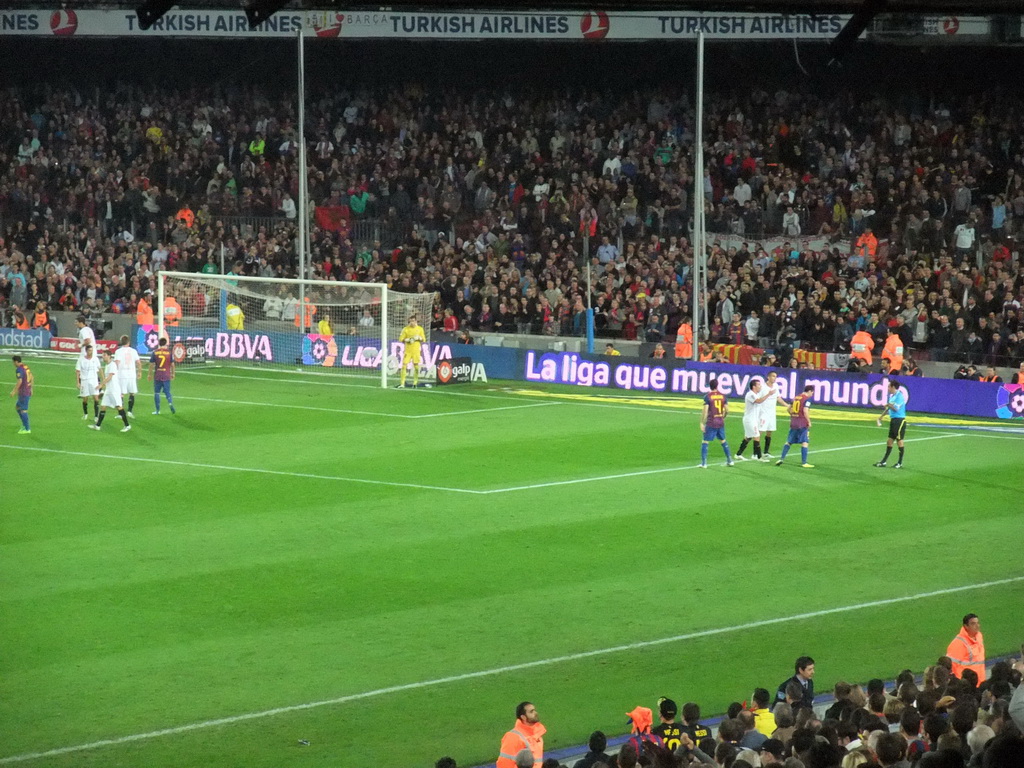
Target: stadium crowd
point(951, 717)
point(831, 215)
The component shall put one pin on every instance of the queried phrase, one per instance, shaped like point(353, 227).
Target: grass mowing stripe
point(503, 670)
point(256, 470)
point(478, 492)
point(643, 472)
point(337, 410)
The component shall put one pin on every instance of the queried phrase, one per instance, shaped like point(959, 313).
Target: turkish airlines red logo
point(329, 24)
point(951, 25)
point(64, 23)
point(594, 25)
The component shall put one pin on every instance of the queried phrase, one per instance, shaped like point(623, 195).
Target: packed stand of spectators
point(943, 721)
point(497, 196)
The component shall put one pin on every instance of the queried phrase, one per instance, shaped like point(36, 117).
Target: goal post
point(349, 328)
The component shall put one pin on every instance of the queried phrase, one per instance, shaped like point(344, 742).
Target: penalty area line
point(643, 472)
point(255, 470)
point(496, 671)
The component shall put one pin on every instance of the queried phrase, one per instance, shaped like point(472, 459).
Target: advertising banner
point(67, 344)
point(460, 370)
point(338, 351)
point(939, 396)
point(573, 26)
point(27, 339)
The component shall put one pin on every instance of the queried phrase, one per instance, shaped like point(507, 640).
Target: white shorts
point(129, 385)
point(751, 428)
point(89, 389)
point(111, 396)
point(768, 423)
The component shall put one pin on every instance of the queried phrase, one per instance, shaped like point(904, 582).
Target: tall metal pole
point(590, 292)
point(303, 206)
point(699, 265)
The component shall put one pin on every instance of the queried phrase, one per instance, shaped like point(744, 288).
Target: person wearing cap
point(144, 310)
point(527, 733)
point(772, 752)
point(668, 729)
point(967, 649)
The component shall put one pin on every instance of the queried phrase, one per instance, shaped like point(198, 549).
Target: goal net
point(349, 328)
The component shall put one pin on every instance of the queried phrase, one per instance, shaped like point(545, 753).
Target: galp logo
point(328, 24)
point(64, 23)
point(594, 25)
point(444, 371)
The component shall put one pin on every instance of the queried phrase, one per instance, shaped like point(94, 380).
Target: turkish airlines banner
point(450, 25)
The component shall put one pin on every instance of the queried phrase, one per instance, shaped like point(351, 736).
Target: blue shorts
point(22, 402)
point(797, 436)
point(714, 433)
point(162, 386)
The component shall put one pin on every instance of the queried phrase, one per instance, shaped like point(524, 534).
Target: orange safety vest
point(522, 736)
point(22, 325)
point(172, 311)
point(993, 377)
point(684, 341)
point(893, 352)
point(704, 356)
point(144, 313)
point(870, 242)
point(309, 311)
point(968, 653)
point(186, 215)
point(42, 320)
point(861, 346)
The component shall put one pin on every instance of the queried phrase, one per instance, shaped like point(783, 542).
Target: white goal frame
point(199, 276)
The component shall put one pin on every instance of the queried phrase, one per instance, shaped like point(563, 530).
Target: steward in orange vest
point(527, 733)
point(893, 352)
point(42, 319)
point(861, 345)
point(305, 313)
point(144, 311)
point(172, 311)
point(684, 341)
point(967, 649)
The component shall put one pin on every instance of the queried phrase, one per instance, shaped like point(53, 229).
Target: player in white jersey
point(752, 403)
point(87, 376)
point(129, 371)
point(768, 411)
point(86, 337)
point(111, 394)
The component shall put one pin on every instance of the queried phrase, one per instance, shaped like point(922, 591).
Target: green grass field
point(386, 574)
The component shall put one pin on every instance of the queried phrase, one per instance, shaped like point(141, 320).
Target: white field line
point(496, 671)
point(256, 470)
point(643, 472)
point(472, 491)
point(338, 410)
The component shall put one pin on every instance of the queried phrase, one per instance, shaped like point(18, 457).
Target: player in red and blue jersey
point(161, 371)
point(712, 423)
point(799, 426)
point(23, 391)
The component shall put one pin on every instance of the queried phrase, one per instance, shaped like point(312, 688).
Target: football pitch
point(385, 574)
